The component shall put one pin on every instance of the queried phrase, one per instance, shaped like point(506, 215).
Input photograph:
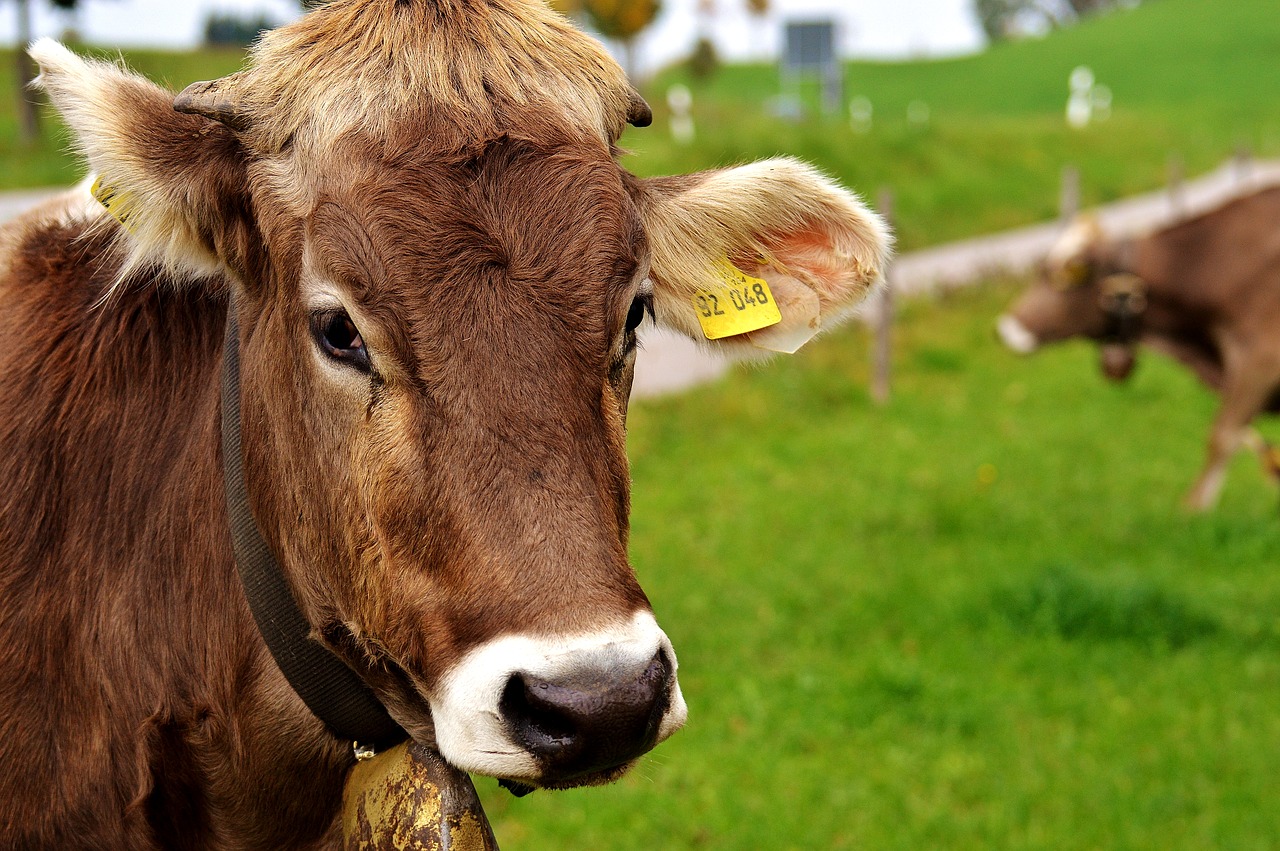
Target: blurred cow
point(1205, 291)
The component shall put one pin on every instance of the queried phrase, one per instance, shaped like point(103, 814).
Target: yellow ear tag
point(121, 205)
point(736, 304)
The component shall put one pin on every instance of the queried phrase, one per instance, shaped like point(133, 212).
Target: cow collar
point(1124, 298)
point(330, 689)
point(1124, 303)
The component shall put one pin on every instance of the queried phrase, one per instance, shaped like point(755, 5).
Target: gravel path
point(670, 363)
point(13, 203)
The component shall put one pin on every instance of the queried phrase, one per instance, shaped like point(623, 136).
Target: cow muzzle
point(564, 712)
point(1015, 335)
point(585, 727)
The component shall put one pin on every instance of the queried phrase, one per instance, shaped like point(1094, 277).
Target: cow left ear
point(717, 236)
point(176, 182)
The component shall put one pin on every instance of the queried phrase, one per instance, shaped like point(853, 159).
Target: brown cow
point(437, 266)
point(1205, 291)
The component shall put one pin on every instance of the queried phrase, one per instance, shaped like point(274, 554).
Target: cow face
point(1079, 292)
point(439, 270)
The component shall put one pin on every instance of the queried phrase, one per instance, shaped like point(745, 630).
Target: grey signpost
point(810, 51)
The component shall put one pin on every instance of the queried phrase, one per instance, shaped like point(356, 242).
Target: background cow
point(1205, 291)
point(413, 211)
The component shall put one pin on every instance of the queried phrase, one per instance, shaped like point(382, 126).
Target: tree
point(759, 11)
point(230, 30)
point(1003, 18)
point(621, 20)
point(999, 18)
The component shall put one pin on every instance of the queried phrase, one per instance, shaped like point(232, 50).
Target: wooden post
point(28, 116)
point(882, 340)
point(1177, 196)
point(1069, 199)
point(1243, 162)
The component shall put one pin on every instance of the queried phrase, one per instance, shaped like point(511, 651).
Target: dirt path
point(669, 363)
point(13, 203)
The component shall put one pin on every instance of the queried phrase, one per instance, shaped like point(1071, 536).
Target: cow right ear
point(759, 257)
point(176, 182)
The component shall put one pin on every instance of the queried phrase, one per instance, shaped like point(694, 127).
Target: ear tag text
point(121, 205)
point(736, 303)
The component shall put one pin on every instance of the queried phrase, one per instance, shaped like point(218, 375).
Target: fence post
point(1069, 199)
point(1177, 197)
point(1243, 162)
point(882, 339)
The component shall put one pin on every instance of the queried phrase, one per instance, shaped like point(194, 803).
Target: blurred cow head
point(1083, 290)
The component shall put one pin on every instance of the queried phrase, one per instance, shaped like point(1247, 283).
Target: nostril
point(589, 722)
point(536, 712)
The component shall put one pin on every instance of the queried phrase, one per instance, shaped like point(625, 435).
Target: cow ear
point(175, 182)
point(816, 246)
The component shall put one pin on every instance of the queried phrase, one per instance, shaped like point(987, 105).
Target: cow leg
point(1268, 455)
point(1245, 393)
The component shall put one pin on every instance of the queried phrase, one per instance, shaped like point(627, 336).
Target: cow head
point(1082, 291)
point(439, 268)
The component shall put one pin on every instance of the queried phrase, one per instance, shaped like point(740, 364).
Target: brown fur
point(443, 170)
point(127, 703)
point(1212, 288)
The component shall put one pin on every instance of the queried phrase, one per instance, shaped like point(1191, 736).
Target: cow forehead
point(545, 213)
point(515, 241)
point(468, 67)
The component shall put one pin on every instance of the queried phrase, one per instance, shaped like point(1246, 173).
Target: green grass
point(975, 618)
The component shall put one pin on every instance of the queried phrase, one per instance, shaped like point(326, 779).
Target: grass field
point(975, 618)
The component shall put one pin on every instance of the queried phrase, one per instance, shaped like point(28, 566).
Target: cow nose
point(590, 725)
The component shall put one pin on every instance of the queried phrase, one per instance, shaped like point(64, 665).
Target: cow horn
point(639, 113)
point(217, 100)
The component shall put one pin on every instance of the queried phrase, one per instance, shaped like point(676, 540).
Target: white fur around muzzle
point(1016, 336)
point(470, 730)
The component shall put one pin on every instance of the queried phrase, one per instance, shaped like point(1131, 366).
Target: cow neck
point(329, 688)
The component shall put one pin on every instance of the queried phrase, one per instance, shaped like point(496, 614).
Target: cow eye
point(340, 339)
point(639, 307)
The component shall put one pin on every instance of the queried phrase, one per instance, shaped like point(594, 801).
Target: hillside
point(1192, 78)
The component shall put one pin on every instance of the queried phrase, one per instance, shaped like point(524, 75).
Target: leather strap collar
point(329, 688)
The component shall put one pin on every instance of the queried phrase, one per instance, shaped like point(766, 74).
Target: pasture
point(975, 618)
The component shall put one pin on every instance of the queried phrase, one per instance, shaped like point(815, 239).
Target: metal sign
point(810, 51)
point(810, 47)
